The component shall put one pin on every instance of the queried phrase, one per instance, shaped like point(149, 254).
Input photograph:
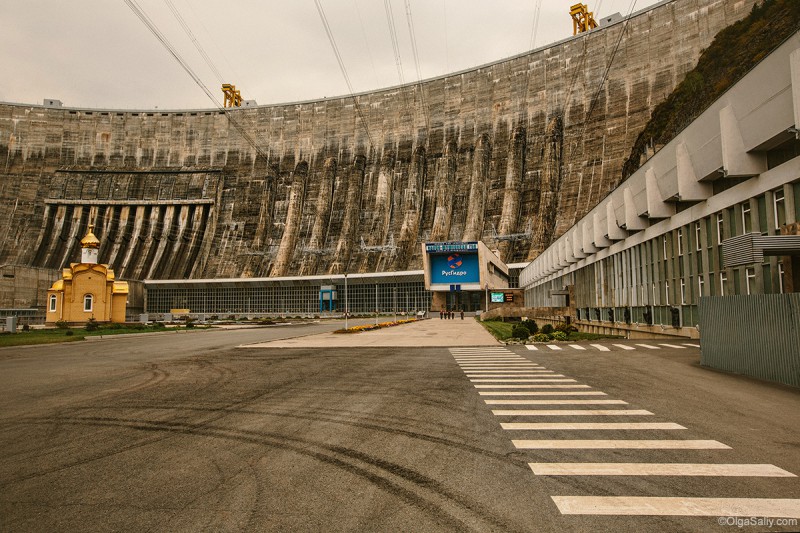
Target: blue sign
point(455, 268)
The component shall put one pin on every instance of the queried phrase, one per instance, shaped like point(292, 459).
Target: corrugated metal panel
point(751, 248)
point(756, 335)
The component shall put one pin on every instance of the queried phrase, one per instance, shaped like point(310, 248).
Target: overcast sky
point(97, 53)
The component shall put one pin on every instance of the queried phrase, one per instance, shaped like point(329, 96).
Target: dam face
point(511, 153)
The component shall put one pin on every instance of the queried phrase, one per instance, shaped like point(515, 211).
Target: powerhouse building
point(714, 212)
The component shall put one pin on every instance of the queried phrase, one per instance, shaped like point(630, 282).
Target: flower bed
point(368, 327)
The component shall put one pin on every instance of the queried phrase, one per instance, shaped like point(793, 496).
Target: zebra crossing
point(609, 347)
point(535, 390)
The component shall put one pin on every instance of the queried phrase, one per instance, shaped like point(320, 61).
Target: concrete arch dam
point(511, 153)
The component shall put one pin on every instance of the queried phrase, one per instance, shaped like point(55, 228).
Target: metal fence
point(756, 335)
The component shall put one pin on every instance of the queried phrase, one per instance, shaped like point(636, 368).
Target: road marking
point(600, 347)
point(541, 393)
point(619, 445)
point(534, 386)
point(512, 380)
point(690, 344)
point(672, 346)
point(493, 372)
point(676, 506)
point(485, 362)
point(500, 367)
point(470, 375)
point(657, 469)
point(649, 346)
point(577, 346)
point(555, 402)
point(589, 425)
point(479, 359)
point(554, 347)
point(624, 346)
point(480, 350)
point(531, 347)
point(571, 412)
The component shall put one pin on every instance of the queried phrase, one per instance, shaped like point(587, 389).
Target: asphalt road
point(189, 433)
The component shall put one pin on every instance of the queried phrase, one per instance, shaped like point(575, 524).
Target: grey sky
point(97, 53)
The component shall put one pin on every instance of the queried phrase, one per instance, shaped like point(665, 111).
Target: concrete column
point(689, 188)
point(600, 239)
point(633, 222)
point(656, 207)
point(794, 65)
point(735, 160)
point(614, 232)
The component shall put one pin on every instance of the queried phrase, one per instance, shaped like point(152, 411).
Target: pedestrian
point(440, 313)
point(462, 313)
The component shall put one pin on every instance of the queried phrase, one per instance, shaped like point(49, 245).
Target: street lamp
point(345, 300)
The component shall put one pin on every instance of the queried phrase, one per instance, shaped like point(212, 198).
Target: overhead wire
point(151, 26)
point(343, 69)
point(393, 34)
point(602, 82)
point(425, 110)
point(366, 43)
point(194, 40)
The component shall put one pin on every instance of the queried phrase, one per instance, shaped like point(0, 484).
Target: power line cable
point(393, 34)
point(339, 59)
point(425, 110)
point(194, 40)
point(141, 15)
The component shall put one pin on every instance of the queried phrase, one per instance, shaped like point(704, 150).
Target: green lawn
point(50, 336)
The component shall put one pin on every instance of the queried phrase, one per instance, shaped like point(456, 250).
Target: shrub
point(559, 336)
point(62, 324)
point(541, 337)
point(189, 324)
point(520, 332)
point(547, 329)
point(26, 327)
point(566, 328)
point(531, 325)
point(69, 333)
point(92, 325)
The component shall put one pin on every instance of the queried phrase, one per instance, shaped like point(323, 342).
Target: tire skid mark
point(336, 456)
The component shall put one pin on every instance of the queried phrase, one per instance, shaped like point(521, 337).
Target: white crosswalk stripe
point(555, 402)
point(600, 347)
point(542, 393)
point(649, 346)
point(554, 347)
point(676, 506)
point(672, 346)
point(512, 380)
point(598, 444)
point(690, 344)
point(537, 386)
point(571, 412)
point(624, 346)
point(529, 374)
point(531, 347)
point(589, 425)
point(577, 347)
point(657, 469)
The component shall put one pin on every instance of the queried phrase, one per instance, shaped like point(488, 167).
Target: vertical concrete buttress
point(292, 228)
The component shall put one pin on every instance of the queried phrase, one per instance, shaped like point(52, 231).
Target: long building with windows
point(667, 236)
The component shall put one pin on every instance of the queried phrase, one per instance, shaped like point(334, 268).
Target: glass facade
point(386, 293)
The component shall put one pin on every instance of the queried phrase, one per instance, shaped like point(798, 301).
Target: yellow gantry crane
point(582, 19)
point(233, 98)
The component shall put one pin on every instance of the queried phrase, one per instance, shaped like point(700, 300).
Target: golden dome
point(90, 240)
